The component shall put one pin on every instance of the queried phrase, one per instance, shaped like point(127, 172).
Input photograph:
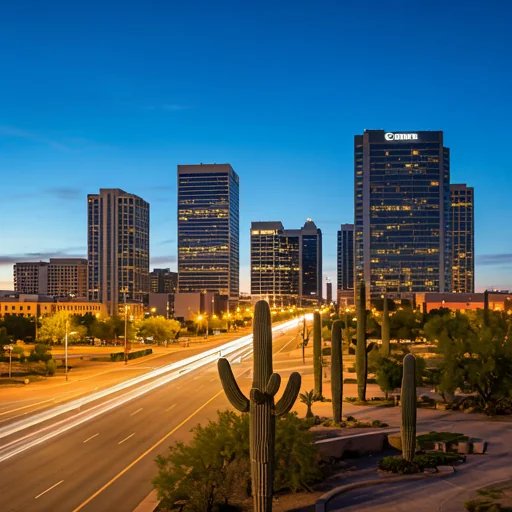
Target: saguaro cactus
point(261, 406)
point(336, 371)
point(385, 329)
point(361, 354)
point(408, 399)
point(317, 353)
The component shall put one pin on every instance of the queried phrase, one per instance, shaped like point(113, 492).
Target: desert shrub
point(51, 367)
point(213, 470)
point(397, 465)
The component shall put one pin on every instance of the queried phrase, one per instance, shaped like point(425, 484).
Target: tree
point(405, 324)
point(475, 357)
point(5, 339)
point(212, 469)
point(53, 328)
point(389, 375)
point(308, 398)
point(158, 328)
point(40, 352)
point(19, 327)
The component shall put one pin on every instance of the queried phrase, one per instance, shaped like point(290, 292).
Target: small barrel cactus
point(336, 371)
point(261, 406)
point(408, 400)
point(317, 353)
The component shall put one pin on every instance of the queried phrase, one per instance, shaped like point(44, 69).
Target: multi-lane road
point(106, 463)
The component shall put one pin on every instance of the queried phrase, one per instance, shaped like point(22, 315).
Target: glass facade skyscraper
point(208, 229)
point(463, 238)
point(286, 264)
point(402, 212)
point(118, 247)
point(345, 257)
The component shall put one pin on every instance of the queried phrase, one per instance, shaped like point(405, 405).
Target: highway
point(106, 463)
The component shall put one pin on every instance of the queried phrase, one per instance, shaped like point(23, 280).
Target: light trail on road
point(237, 349)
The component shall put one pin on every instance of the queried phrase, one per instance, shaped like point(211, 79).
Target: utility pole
point(125, 330)
point(66, 350)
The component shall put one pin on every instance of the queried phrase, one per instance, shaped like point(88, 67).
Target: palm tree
point(308, 398)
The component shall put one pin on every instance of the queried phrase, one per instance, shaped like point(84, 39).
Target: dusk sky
point(117, 94)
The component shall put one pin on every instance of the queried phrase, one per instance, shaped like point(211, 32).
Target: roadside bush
point(119, 356)
point(397, 465)
point(51, 367)
point(40, 352)
point(213, 471)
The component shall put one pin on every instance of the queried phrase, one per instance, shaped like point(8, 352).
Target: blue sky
point(116, 94)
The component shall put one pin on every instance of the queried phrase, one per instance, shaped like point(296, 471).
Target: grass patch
point(377, 401)
point(446, 437)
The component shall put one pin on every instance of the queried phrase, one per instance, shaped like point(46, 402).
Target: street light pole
point(66, 350)
point(125, 333)
point(9, 348)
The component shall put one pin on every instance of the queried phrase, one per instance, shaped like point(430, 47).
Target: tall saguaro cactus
point(317, 353)
point(361, 354)
point(336, 371)
point(385, 329)
point(260, 405)
point(408, 399)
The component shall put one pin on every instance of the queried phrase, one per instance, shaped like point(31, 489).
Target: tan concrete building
point(33, 305)
point(60, 277)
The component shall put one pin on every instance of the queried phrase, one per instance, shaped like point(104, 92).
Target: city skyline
point(92, 124)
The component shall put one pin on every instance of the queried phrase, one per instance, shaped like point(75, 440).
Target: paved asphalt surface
point(107, 463)
point(21, 401)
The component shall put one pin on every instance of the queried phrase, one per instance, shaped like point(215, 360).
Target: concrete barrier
point(364, 442)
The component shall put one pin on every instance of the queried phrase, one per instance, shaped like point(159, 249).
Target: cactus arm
point(285, 403)
point(257, 396)
point(235, 396)
point(273, 384)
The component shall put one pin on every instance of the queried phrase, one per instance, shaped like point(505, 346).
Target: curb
point(323, 501)
point(149, 503)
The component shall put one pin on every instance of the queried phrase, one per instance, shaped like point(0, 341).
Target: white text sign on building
point(401, 136)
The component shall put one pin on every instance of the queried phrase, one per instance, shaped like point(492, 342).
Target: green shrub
point(51, 367)
point(482, 506)
point(397, 465)
point(40, 352)
point(434, 459)
point(213, 470)
point(119, 356)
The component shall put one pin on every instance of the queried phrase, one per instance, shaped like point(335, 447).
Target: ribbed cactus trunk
point(385, 329)
point(408, 400)
point(361, 355)
point(261, 406)
point(263, 420)
point(317, 353)
point(336, 371)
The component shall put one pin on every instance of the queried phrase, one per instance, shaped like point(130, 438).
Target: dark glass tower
point(346, 257)
point(463, 238)
point(118, 247)
point(402, 212)
point(311, 261)
point(208, 229)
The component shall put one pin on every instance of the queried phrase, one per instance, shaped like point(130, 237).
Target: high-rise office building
point(402, 212)
point(328, 290)
point(463, 238)
point(311, 261)
point(118, 247)
point(275, 263)
point(162, 280)
point(60, 277)
point(286, 264)
point(208, 229)
point(345, 257)
point(31, 277)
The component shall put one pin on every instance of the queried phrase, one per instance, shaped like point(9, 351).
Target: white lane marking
point(169, 408)
point(179, 387)
point(126, 438)
point(92, 437)
point(49, 489)
point(282, 348)
point(138, 410)
point(212, 380)
point(200, 387)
